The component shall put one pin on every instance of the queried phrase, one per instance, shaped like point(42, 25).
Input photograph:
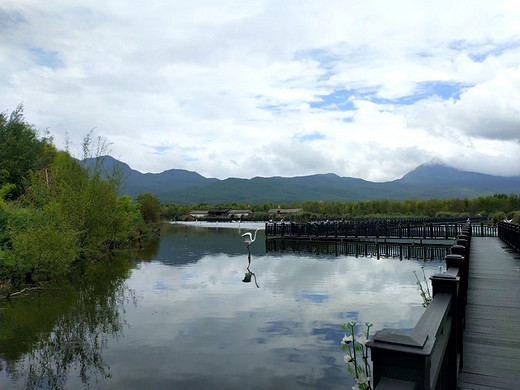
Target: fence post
point(448, 282)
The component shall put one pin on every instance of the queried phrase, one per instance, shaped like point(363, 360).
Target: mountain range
point(428, 181)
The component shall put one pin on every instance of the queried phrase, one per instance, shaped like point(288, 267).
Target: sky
point(368, 89)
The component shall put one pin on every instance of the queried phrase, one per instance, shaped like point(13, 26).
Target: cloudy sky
point(244, 88)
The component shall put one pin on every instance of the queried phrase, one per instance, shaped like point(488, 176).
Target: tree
point(150, 207)
point(21, 151)
point(42, 243)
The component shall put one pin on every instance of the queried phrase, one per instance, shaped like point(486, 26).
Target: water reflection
point(45, 337)
point(249, 274)
point(148, 252)
point(401, 250)
point(198, 324)
point(180, 246)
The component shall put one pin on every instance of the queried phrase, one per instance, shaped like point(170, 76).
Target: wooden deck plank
point(492, 334)
point(486, 381)
point(481, 350)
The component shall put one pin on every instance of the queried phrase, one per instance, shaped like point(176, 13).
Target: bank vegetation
point(55, 211)
point(495, 207)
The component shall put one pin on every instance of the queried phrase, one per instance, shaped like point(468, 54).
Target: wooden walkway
point(492, 334)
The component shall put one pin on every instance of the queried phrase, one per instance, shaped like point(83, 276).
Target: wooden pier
point(469, 336)
point(492, 334)
point(339, 230)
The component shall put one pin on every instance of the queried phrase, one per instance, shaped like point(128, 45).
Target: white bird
point(249, 238)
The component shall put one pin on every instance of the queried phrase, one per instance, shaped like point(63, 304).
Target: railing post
point(402, 357)
point(418, 357)
point(460, 263)
point(448, 282)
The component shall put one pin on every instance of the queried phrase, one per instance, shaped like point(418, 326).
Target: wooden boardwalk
point(492, 334)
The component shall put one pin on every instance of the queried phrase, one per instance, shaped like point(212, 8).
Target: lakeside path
point(492, 334)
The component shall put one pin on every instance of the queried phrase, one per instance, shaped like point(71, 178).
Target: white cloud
point(226, 89)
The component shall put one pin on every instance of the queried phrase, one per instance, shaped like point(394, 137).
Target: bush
point(42, 245)
point(500, 216)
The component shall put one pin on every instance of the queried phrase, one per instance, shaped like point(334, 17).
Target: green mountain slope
point(428, 181)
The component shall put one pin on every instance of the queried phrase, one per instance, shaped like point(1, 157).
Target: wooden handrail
point(428, 357)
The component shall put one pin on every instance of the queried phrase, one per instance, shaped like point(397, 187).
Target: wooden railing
point(338, 230)
point(510, 233)
point(430, 356)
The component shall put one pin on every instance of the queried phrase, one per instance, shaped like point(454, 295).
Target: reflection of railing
point(360, 249)
point(336, 229)
point(430, 356)
point(510, 233)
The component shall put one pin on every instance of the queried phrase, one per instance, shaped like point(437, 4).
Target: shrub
point(500, 216)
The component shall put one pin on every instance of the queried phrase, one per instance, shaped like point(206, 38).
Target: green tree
point(21, 151)
point(42, 243)
point(150, 207)
point(68, 213)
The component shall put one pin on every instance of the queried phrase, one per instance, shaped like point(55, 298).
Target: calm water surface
point(181, 317)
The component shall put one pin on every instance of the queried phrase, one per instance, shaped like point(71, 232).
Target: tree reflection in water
point(65, 328)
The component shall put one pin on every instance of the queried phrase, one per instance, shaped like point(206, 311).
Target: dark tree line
point(497, 206)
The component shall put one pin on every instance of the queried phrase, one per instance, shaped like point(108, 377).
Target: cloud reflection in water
point(198, 325)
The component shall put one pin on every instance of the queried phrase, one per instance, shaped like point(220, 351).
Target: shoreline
point(221, 225)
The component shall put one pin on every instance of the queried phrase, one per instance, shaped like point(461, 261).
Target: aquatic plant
point(356, 357)
point(423, 290)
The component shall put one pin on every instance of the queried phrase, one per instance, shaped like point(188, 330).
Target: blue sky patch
point(310, 137)
point(274, 108)
point(479, 52)
point(339, 99)
point(158, 149)
point(481, 55)
point(427, 89)
point(50, 59)
point(324, 57)
point(442, 89)
point(342, 99)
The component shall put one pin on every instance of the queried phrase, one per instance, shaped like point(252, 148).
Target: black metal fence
point(333, 230)
point(510, 233)
point(360, 249)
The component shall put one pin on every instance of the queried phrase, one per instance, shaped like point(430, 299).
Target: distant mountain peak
point(432, 180)
point(430, 169)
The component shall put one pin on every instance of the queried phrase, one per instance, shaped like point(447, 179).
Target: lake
point(191, 312)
